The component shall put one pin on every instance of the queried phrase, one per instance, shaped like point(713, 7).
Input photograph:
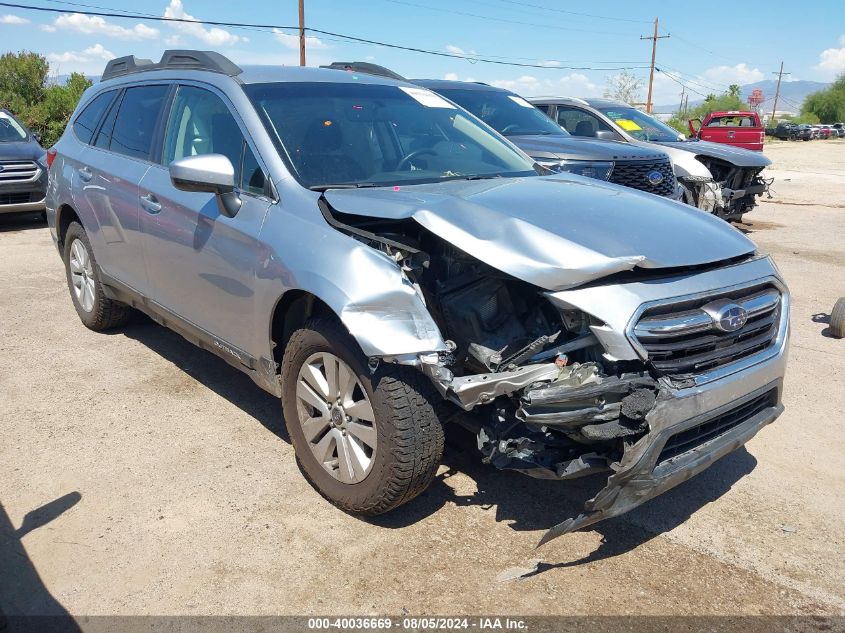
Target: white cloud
point(95, 25)
point(740, 74)
point(457, 50)
point(13, 19)
point(47, 28)
point(292, 41)
point(832, 60)
point(451, 76)
point(213, 36)
point(89, 60)
point(574, 84)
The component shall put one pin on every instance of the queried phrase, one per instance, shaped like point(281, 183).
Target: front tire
point(368, 442)
point(96, 311)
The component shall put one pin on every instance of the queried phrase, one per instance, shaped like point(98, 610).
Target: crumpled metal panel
point(556, 232)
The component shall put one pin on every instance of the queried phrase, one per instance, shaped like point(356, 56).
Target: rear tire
point(837, 319)
point(405, 437)
point(96, 311)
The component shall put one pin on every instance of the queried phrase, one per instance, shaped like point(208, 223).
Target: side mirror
point(694, 126)
point(605, 135)
point(210, 173)
point(37, 137)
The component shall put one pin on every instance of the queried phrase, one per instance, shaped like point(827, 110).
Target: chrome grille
point(18, 171)
point(634, 173)
point(684, 337)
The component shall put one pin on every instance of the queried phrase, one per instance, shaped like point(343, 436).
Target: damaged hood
point(555, 232)
point(738, 156)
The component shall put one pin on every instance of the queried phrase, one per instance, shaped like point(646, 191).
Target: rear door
point(202, 264)
point(111, 170)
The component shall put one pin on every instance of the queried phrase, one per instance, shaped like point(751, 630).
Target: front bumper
point(643, 474)
point(24, 207)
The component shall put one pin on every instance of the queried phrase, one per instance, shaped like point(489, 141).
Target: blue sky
point(704, 51)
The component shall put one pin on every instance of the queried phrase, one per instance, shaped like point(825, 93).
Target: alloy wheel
point(82, 275)
point(337, 417)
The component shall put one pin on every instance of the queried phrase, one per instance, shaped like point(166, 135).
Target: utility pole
point(302, 32)
point(777, 92)
point(653, 39)
point(681, 106)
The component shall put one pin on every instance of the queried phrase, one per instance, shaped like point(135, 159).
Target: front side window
point(376, 135)
point(201, 123)
point(640, 125)
point(134, 127)
point(508, 114)
point(86, 123)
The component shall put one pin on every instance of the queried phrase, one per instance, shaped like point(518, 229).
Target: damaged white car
point(386, 264)
point(716, 178)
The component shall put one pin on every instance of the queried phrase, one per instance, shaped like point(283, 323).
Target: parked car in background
point(822, 132)
point(804, 132)
point(718, 179)
point(645, 168)
point(736, 128)
point(23, 168)
point(784, 130)
point(840, 129)
point(385, 263)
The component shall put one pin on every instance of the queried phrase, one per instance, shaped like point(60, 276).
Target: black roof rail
point(173, 59)
point(366, 68)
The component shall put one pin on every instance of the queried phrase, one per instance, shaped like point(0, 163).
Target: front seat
point(585, 128)
point(322, 159)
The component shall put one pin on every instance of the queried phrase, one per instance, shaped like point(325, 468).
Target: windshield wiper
point(345, 185)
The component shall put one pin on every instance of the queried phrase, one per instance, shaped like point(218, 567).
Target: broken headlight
point(590, 169)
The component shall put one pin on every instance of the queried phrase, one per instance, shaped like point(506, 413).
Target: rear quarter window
point(87, 120)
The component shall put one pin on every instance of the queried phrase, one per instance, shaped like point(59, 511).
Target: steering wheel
point(406, 161)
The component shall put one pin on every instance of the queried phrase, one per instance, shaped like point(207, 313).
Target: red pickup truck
point(740, 129)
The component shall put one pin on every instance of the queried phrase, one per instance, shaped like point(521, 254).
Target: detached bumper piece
point(670, 454)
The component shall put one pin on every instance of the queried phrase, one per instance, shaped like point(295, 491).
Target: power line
point(564, 11)
point(503, 20)
point(340, 36)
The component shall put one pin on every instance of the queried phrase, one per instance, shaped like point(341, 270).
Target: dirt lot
point(174, 488)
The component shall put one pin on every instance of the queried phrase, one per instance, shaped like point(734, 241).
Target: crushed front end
point(730, 193)
point(643, 379)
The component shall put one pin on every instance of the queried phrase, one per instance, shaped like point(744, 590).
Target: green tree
point(24, 90)
point(829, 104)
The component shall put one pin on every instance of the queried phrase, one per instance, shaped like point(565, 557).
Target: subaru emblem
point(654, 177)
point(730, 318)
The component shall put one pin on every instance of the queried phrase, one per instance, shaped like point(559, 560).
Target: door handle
point(85, 173)
point(150, 203)
point(731, 134)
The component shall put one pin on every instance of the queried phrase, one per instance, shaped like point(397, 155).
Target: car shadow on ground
point(28, 605)
point(21, 222)
point(209, 370)
point(521, 502)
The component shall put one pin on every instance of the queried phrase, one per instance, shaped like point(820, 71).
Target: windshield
point(640, 125)
point(377, 135)
point(10, 130)
point(508, 114)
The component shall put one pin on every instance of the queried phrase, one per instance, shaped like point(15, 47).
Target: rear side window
point(86, 123)
point(134, 127)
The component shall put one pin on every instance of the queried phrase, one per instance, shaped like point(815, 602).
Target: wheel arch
point(65, 214)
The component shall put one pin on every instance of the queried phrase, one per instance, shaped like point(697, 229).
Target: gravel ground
point(172, 486)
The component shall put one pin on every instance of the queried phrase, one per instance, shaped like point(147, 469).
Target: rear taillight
point(51, 156)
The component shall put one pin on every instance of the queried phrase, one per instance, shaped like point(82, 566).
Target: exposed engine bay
point(532, 381)
point(732, 191)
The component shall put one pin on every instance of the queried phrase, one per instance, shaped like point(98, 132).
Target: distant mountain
point(792, 94)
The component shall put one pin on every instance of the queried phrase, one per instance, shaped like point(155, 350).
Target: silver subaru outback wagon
point(385, 263)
